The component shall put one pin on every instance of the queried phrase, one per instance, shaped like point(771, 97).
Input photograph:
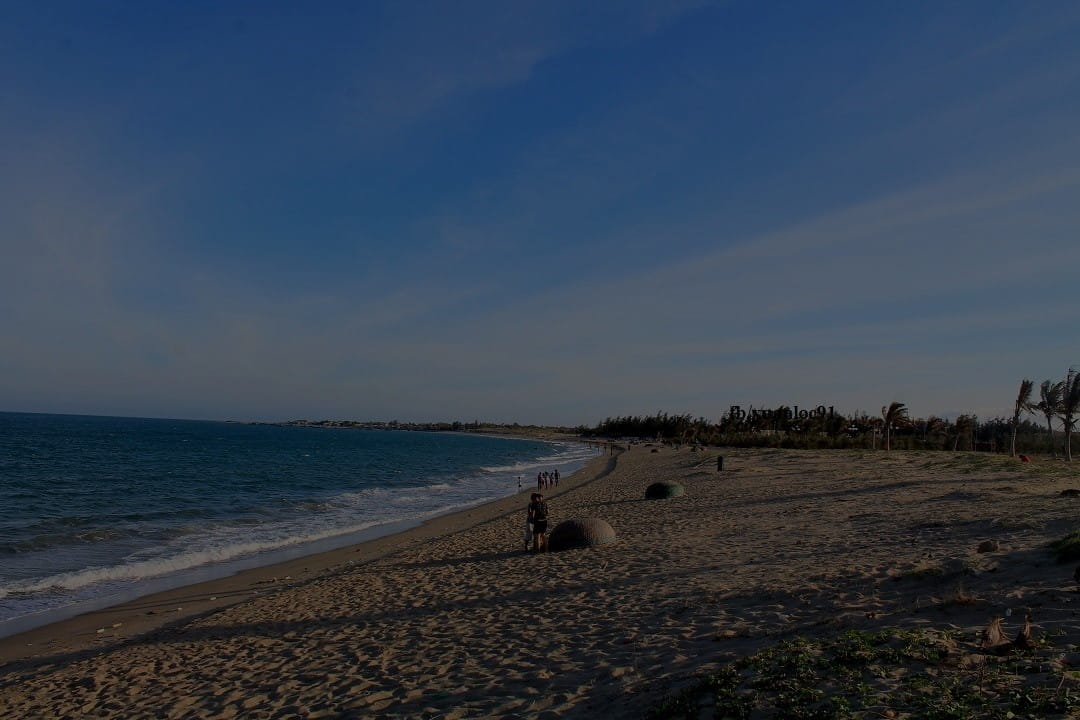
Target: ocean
point(99, 510)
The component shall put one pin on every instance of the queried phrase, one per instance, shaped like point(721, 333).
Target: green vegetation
point(925, 571)
point(772, 428)
point(893, 416)
point(456, 426)
point(1048, 405)
point(823, 428)
point(891, 673)
point(1023, 405)
point(1070, 408)
point(1068, 547)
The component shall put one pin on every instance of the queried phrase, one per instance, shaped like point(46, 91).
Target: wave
point(125, 543)
point(572, 454)
point(79, 537)
point(519, 467)
point(138, 570)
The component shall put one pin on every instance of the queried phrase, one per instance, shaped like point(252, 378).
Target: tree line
point(894, 427)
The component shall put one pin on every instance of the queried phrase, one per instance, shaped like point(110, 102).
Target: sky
point(538, 212)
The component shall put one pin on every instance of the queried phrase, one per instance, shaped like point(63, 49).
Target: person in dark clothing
point(538, 514)
point(529, 523)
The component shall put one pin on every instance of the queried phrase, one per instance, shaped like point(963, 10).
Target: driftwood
point(1024, 640)
point(994, 634)
point(995, 639)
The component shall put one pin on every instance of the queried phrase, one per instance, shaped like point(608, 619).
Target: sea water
point(96, 510)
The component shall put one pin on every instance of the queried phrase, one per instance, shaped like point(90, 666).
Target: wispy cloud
point(729, 322)
point(424, 56)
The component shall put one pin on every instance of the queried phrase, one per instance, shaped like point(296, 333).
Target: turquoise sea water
point(97, 509)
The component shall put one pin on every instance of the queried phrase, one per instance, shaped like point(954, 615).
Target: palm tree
point(1050, 406)
point(1070, 406)
point(1023, 405)
point(895, 413)
point(934, 426)
point(964, 426)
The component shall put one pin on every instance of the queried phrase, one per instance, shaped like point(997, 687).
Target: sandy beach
point(453, 620)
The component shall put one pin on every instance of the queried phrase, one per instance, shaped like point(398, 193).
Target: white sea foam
point(162, 552)
point(573, 453)
point(137, 570)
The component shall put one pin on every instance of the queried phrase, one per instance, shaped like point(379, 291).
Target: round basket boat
point(662, 490)
point(580, 533)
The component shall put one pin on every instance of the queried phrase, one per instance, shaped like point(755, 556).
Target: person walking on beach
point(538, 513)
point(539, 481)
point(556, 476)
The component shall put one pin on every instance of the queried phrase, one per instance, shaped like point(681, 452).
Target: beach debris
point(100, 630)
point(1024, 639)
point(995, 639)
point(662, 490)
point(989, 546)
point(937, 570)
point(994, 634)
point(961, 597)
point(1070, 492)
point(580, 533)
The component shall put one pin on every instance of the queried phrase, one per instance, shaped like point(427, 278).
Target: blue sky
point(535, 211)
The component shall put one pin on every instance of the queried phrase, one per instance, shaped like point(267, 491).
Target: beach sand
point(454, 620)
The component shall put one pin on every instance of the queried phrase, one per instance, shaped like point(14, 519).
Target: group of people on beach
point(544, 480)
point(547, 479)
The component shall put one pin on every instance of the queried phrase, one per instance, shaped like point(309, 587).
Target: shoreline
point(109, 581)
point(97, 629)
point(452, 620)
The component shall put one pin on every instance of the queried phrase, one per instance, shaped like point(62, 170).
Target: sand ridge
point(455, 621)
